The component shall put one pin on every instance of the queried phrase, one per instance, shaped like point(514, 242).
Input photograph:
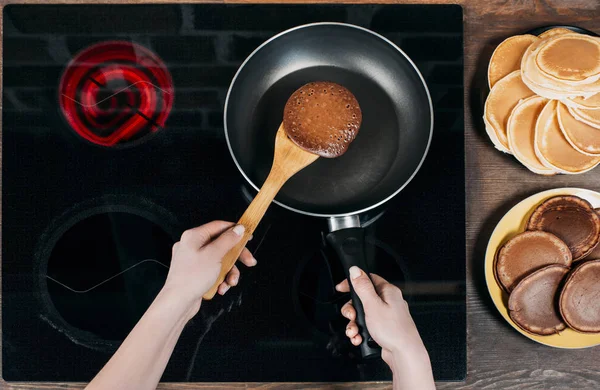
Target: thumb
point(220, 246)
point(363, 287)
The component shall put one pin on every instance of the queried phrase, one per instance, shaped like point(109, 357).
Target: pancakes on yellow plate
point(579, 303)
point(507, 57)
point(509, 226)
point(528, 252)
point(503, 97)
point(553, 149)
point(521, 134)
point(532, 304)
point(582, 137)
point(571, 219)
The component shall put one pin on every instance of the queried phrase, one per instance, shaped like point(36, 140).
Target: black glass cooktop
point(113, 144)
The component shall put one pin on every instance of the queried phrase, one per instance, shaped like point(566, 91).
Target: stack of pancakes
point(544, 102)
point(552, 270)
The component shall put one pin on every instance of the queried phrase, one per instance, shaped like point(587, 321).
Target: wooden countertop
point(498, 356)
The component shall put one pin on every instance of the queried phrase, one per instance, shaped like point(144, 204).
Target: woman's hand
point(196, 261)
point(390, 324)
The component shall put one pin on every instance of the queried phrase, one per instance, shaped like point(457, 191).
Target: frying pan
point(390, 147)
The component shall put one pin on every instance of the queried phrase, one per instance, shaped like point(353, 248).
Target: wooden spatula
point(288, 159)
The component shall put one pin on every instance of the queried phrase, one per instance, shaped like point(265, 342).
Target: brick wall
point(203, 45)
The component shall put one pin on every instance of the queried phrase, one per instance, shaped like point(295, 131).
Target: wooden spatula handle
point(287, 160)
point(250, 219)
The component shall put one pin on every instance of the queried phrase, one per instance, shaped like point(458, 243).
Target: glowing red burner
point(116, 92)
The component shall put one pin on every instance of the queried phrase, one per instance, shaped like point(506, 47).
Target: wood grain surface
point(498, 357)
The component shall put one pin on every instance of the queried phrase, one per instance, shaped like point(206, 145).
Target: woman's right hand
point(390, 324)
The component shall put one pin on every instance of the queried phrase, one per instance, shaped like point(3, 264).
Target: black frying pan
point(390, 147)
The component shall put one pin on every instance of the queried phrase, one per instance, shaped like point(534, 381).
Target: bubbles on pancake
point(326, 123)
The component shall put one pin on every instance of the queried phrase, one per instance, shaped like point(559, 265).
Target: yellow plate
point(512, 224)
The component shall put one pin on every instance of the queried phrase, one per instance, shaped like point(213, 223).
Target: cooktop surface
point(113, 145)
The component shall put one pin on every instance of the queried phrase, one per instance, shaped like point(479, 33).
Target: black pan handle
point(349, 245)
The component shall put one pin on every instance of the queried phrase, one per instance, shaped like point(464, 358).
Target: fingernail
point(337, 287)
point(254, 262)
point(235, 280)
point(251, 237)
point(239, 230)
point(226, 289)
point(348, 332)
point(354, 272)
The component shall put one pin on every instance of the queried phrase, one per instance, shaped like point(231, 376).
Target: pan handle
point(349, 245)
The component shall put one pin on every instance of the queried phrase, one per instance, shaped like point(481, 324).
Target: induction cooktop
point(113, 144)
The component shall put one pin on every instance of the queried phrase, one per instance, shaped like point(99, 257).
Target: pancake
point(589, 117)
point(533, 303)
point(570, 58)
point(507, 57)
point(595, 253)
point(553, 149)
point(571, 219)
point(528, 252)
point(554, 32)
point(591, 103)
point(503, 97)
point(322, 118)
point(583, 137)
point(521, 134)
point(547, 92)
point(541, 82)
point(579, 303)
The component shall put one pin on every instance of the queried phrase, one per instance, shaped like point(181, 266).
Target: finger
point(233, 277)
point(348, 311)
point(356, 340)
point(175, 247)
point(223, 288)
point(222, 244)
point(202, 235)
point(343, 286)
point(378, 280)
point(351, 329)
point(247, 259)
point(363, 287)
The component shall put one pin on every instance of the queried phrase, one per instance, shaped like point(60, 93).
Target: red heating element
point(116, 92)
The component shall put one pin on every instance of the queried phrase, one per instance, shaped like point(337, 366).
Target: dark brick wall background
point(203, 45)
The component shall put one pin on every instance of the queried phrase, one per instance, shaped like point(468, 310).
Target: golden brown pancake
point(521, 133)
point(589, 117)
point(547, 92)
point(570, 218)
point(503, 97)
point(532, 305)
point(579, 303)
point(553, 149)
point(323, 118)
point(541, 82)
point(591, 103)
point(583, 137)
point(595, 253)
point(507, 57)
point(528, 252)
point(553, 32)
point(570, 58)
